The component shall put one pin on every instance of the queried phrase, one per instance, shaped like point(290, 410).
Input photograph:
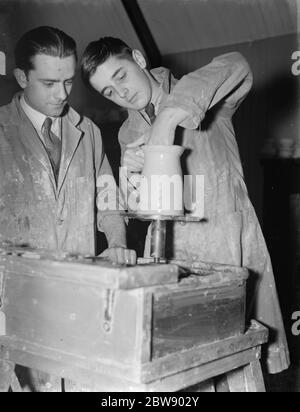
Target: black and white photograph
point(149, 198)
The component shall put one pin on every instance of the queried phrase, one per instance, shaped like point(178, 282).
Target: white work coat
point(231, 234)
point(33, 210)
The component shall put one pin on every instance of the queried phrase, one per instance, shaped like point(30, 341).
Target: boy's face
point(124, 82)
point(48, 86)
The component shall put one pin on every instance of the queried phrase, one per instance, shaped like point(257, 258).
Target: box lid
point(84, 269)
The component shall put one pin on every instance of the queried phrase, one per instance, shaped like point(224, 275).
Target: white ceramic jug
point(161, 189)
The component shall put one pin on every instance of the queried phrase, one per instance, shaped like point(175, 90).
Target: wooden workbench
point(113, 328)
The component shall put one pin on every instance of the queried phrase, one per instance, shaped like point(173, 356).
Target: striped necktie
point(53, 146)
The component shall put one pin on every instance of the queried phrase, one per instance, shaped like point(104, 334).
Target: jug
point(161, 185)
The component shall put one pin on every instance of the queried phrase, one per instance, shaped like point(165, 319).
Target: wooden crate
point(85, 317)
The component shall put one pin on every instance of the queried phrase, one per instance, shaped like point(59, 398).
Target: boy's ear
point(139, 58)
point(21, 78)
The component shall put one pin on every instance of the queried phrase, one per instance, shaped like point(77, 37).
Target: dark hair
point(43, 40)
point(98, 52)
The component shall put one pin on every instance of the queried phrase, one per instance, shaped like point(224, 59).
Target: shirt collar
point(38, 118)
point(158, 98)
point(167, 82)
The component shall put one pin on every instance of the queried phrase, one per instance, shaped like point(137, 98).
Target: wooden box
point(86, 319)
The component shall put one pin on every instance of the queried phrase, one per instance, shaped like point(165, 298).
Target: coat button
point(59, 222)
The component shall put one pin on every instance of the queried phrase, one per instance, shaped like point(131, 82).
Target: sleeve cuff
point(186, 104)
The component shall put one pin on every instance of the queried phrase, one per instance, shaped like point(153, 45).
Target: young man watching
point(51, 157)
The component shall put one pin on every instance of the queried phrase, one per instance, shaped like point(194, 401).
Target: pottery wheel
point(144, 217)
point(159, 229)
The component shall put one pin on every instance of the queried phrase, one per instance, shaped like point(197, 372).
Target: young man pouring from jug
point(202, 104)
